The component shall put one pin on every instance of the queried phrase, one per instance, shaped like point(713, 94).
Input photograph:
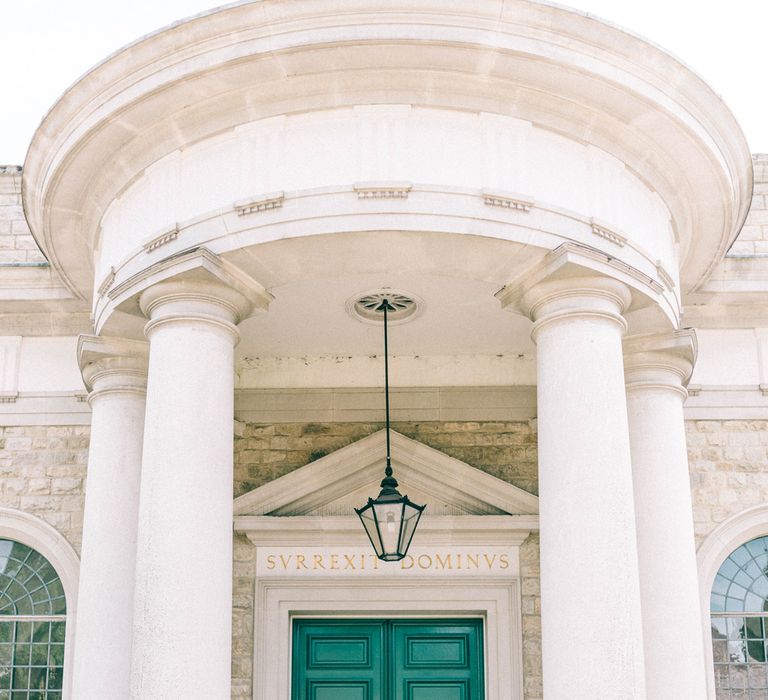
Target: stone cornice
point(229, 66)
point(267, 530)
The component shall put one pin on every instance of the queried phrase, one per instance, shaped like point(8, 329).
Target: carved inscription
point(290, 561)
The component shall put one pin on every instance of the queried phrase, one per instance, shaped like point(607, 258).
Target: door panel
point(436, 659)
point(436, 691)
point(339, 691)
point(388, 660)
point(338, 660)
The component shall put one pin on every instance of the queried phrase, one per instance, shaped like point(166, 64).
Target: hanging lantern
point(390, 519)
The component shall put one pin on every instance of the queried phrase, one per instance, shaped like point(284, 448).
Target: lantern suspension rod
point(385, 306)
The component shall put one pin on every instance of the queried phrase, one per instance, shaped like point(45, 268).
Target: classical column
point(183, 603)
point(656, 368)
point(115, 371)
point(590, 593)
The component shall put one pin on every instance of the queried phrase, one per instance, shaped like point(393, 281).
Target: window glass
point(32, 624)
point(739, 616)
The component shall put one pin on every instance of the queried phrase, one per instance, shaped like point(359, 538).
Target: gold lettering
point(334, 562)
point(285, 560)
point(490, 560)
point(458, 561)
point(504, 561)
point(300, 562)
point(271, 561)
point(424, 558)
point(473, 561)
point(406, 562)
point(317, 562)
point(444, 563)
point(349, 562)
point(375, 562)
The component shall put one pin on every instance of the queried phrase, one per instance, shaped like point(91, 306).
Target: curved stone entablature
point(497, 111)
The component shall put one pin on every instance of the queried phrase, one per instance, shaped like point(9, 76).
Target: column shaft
point(105, 617)
point(672, 628)
point(591, 618)
point(183, 611)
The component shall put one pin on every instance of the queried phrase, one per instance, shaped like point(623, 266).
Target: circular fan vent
point(369, 307)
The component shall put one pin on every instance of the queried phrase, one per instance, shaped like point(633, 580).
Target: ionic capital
point(112, 366)
point(660, 361)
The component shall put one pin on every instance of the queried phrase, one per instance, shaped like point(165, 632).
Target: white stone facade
point(190, 405)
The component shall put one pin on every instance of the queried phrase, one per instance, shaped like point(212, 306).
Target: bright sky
point(47, 44)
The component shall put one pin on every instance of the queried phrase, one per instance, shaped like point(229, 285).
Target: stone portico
point(551, 197)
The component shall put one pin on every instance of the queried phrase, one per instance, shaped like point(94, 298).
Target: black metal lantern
point(391, 519)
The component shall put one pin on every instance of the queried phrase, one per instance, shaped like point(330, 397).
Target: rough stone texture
point(265, 452)
point(753, 238)
point(16, 242)
point(531, 600)
point(42, 472)
point(728, 462)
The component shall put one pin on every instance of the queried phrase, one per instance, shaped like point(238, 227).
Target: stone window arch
point(739, 622)
point(33, 615)
point(38, 604)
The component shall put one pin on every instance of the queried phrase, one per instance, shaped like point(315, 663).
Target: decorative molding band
point(507, 200)
point(165, 237)
point(263, 202)
point(603, 231)
point(382, 190)
point(664, 276)
point(727, 402)
point(106, 282)
point(44, 408)
point(9, 396)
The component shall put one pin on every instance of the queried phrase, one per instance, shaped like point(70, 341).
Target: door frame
point(496, 601)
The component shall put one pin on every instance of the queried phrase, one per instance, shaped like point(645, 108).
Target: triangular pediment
point(336, 483)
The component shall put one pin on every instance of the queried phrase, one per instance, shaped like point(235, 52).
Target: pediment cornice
point(330, 485)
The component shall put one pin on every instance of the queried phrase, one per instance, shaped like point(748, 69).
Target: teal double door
point(387, 660)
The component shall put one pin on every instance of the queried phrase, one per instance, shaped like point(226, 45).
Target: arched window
point(32, 625)
point(739, 614)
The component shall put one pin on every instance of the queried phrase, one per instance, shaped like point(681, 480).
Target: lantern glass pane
point(390, 516)
point(411, 517)
point(367, 517)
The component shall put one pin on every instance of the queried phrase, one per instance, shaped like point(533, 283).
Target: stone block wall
point(753, 239)
point(728, 462)
point(42, 472)
point(265, 452)
point(16, 242)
